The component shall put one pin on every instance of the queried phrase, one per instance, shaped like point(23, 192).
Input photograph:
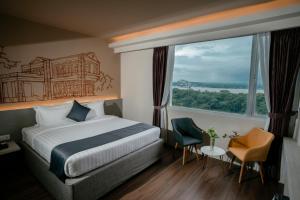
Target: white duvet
point(44, 139)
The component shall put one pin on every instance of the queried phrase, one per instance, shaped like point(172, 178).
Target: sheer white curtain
point(263, 52)
point(167, 88)
point(296, 106)
point(297, 127)
point(253, 75)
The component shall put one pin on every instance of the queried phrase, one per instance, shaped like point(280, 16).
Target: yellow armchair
point(252, 147)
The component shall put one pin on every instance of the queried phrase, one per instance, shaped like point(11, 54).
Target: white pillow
point(52, 115)
point(91, 115)
point(97, 109)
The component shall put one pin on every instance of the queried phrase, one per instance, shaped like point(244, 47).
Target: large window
point(215, 75)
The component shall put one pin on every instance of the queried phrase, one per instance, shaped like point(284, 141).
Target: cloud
point(199, 49)
point(226, 60)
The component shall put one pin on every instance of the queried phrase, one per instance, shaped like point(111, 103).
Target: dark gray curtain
point(284, 68)
point(160, 57)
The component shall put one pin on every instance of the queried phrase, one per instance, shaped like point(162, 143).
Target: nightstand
point(10, 157)
point(12, 147)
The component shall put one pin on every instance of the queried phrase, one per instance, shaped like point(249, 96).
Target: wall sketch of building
point(45, 79)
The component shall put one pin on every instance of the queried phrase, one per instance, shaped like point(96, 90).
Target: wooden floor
point(166, 179)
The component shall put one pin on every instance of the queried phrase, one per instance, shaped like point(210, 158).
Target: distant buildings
point(44, 78)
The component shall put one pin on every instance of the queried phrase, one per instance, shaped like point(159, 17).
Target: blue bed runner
point(62, 152)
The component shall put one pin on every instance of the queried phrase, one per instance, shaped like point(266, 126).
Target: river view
point(231, 90)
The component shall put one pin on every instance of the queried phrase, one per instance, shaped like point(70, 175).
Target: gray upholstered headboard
point(12, 121)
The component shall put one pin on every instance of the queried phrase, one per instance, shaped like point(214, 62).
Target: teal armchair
point(187, 135)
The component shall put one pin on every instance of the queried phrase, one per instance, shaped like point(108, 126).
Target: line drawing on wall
point(43, 78)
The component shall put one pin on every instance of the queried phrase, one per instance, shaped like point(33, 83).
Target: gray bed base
point(98, 182)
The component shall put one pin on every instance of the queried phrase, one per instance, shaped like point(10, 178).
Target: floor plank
point(192, 182)
point(166, 179)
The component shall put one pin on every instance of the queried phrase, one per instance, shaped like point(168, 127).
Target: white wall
point(136, 85)
point(136, 91)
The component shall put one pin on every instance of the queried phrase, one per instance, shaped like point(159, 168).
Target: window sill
point(216, 113)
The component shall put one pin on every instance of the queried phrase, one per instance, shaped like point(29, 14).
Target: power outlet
point(4, 138)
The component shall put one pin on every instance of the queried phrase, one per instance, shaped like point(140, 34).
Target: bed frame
point(98, 182)
point(91, 185)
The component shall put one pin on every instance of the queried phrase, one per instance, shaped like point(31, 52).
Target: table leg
point(223, 163)
point(205, 161)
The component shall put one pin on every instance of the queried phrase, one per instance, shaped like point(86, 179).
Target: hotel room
point(149, 99)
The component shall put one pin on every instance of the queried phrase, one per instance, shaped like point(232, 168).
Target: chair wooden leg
point(184, 155)
point(261, 172)
point(241, 172)
point(231, 162)
point(188, 152)
point(176, 145)
point(190, 148)
point(196, 152)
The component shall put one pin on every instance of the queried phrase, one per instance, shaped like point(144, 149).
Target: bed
point(94, 171)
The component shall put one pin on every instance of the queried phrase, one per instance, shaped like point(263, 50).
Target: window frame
point(252, 87)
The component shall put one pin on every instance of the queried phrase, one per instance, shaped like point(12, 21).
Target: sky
point(221, 61)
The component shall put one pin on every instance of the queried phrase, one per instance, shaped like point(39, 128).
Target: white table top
point(216, 151)
point(12, 147)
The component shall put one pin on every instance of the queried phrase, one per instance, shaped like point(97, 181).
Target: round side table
point(207, 151)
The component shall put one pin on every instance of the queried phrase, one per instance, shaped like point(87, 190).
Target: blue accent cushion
point(78, 112)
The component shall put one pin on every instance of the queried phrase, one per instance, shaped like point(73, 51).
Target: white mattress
point(44, 139)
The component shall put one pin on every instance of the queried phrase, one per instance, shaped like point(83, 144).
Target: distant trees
point(219, 101)
point(186, 84)
point(261, 107)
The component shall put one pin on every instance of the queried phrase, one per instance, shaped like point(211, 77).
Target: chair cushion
point(239, 152)
point(187, 140)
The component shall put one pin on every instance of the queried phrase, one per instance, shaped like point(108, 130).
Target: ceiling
point(107, 18)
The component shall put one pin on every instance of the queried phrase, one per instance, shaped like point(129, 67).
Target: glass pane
point(261, 107)
point(213, 75)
